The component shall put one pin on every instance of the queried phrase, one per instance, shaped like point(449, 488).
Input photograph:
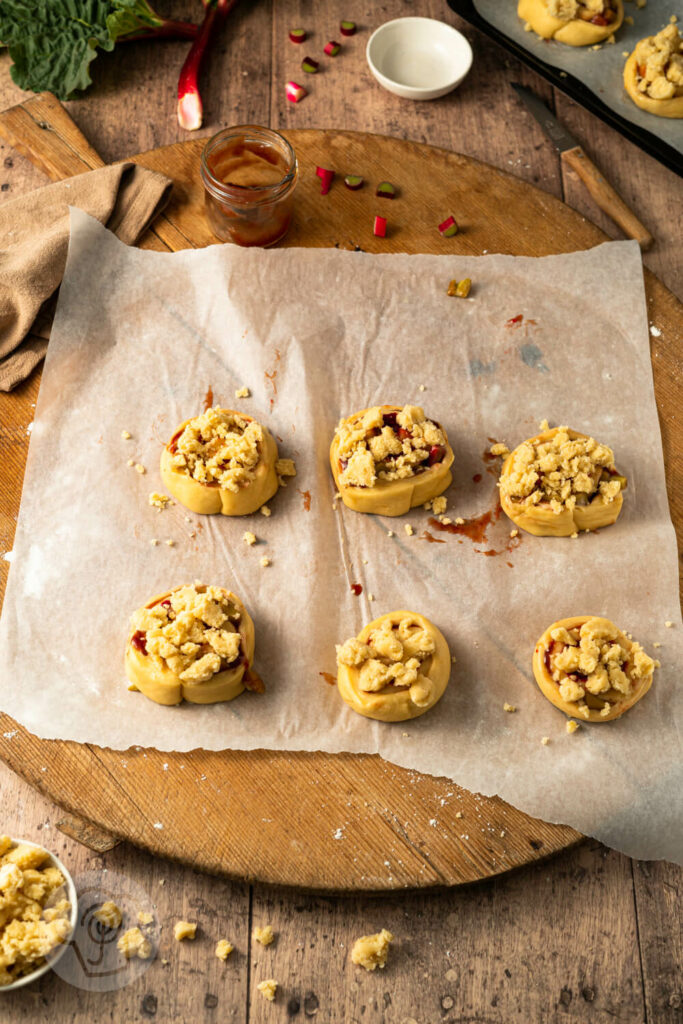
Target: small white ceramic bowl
point(59, 950)
point(418, 58)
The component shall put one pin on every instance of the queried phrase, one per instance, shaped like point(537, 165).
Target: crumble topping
point(591, 667)
point(134, 943)
point(387, 443)
point(599, 12)
point(659, 63)
point(184, 930)
point(264, 935)
point(561, 472)
point(242, 392)
point(392, 659)
point(371, 951)
point(160, 501)
point(193, 631)
point(249, 538)
point(268, 989)
point(285, 467)
point(437, 505)
point(223, 949)
point(144, 917)
point(108, 914)
point(219, 447)
point(33, 917)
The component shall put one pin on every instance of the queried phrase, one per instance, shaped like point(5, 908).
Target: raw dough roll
point(560, 482)
point(653, 74)
point(193, 643)
point(389, 459)
point(589, 669)
point(574, 22)
point(222, 461)
point(395, 669)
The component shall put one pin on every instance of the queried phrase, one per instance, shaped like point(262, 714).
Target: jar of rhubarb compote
point(249, 175)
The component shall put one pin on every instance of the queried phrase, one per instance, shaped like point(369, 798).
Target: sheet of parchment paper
point(138, 339)
point(601, 70)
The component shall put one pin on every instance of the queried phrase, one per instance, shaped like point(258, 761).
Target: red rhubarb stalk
point(190, 108)
point(380, 228)
point(167, 29)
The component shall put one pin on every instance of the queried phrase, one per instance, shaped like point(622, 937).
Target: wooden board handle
point(42, 131)
point(607, 198)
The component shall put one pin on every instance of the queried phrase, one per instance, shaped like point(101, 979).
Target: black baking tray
point(573, 88)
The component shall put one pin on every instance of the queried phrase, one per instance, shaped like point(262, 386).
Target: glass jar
point(249, 175)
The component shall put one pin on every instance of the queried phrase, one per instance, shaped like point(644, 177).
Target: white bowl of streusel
point(39, 910)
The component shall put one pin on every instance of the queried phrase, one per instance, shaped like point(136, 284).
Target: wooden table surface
point(589, 936)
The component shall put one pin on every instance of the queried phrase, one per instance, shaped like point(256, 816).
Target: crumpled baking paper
point(141, 337)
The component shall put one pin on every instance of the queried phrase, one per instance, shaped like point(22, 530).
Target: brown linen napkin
point(34, 239)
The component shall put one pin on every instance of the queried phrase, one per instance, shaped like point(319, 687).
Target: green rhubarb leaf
point(53, 42)
point(131, 16)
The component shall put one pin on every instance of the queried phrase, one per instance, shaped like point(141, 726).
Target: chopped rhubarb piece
point(353, 181)
point(389, 419)
point(298, 35)
point(449, 227)
point(347, 28)
point(295, 92)
point(309, 65)
point(325, 179)
point(332, 48)
point(380, 228)
point(436, 454)
point(386, 190)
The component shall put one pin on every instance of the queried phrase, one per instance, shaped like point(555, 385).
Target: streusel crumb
point(371, 951)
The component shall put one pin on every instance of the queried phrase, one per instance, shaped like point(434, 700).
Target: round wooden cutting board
point(324, 822)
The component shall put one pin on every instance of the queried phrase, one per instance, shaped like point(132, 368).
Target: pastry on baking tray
point(222, 461)
point(395, 669)
point(588, 668)
point(194, 643)
point(574, 22)
point(653, 74)
point(389, 459)
point(560, 482)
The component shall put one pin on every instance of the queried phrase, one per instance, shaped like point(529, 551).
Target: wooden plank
point(42, 131)
point(478, 954)
point(657, 890)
